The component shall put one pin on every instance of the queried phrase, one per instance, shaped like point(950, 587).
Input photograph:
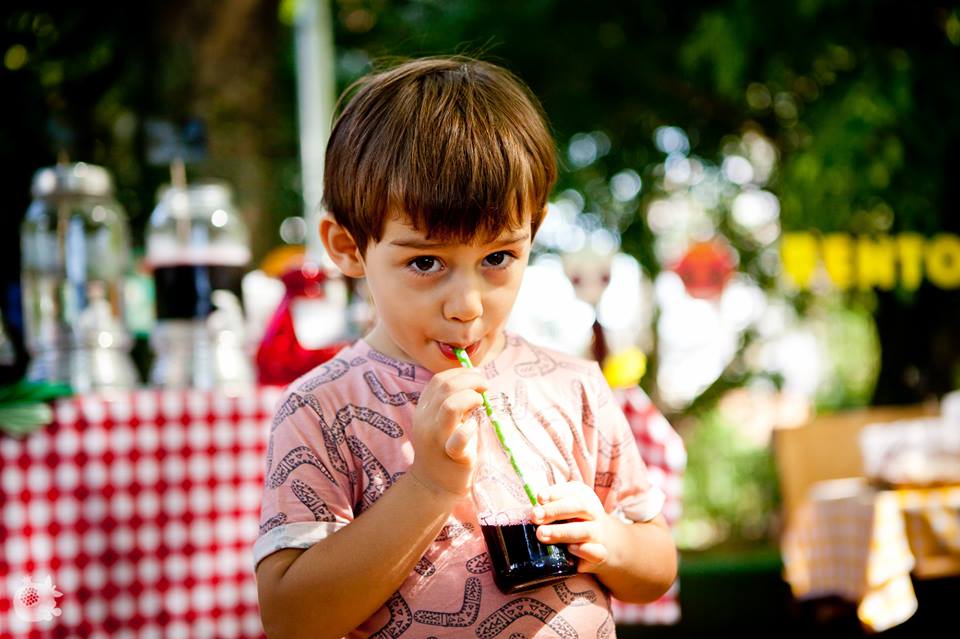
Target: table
point(143, 508)
point(861, 543)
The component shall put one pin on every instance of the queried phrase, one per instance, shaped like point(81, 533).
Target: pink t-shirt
point(341, 437)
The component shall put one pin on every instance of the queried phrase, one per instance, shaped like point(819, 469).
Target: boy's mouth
point(447, 349)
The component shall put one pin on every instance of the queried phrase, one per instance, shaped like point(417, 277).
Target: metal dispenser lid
point(78, 178)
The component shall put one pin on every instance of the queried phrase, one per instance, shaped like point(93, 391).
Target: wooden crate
point(827, 447)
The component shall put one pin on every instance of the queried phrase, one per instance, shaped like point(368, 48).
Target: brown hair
point(458, 147)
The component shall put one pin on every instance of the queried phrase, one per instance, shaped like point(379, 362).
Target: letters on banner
point(871, 261)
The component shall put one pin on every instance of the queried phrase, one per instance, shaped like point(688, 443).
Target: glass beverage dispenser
point(198, 249)
point(75, 251)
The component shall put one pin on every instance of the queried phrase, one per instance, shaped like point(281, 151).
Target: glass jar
point(504, 507)
point(75, 250)
point(198, 249)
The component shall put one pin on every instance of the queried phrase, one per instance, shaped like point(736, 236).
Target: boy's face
point(433, 296)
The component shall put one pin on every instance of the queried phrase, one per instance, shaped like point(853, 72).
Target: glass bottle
point(75, 249)
point(504, 507)
point(198, 249)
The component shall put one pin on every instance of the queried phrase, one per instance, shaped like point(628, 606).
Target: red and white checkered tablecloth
point(143, 508)
point(142, 511)
point(662, 450)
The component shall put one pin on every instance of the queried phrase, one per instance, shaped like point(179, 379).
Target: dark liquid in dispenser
point(184, 290)
point(522, 562)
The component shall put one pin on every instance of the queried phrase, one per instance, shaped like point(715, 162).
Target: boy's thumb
point(458, 444)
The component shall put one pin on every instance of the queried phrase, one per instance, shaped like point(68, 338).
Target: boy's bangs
point(471, 164)
point(468, 201)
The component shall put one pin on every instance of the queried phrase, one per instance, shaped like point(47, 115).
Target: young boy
point(437, 177)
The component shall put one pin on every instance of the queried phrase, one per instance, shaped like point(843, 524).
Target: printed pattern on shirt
point(294, 459)
point(606, 447)
point(425, 567)
point(272, 523)
point(452, 531)
point(400, 618)
point(394, 399)
point(541, 365)
point(379, 421)
point(327, 373)
point(479, 564)
point(542, 419)
point(500, 619)
point(464, 617)
point(405, 370)
point(309, 498)
point(521, 405)
point(573, 598)
point(378, 478)
point(266, 472)
point(545, 364)
point(579, 390)
point(606, 628)
point(597, 387)
point(605, 480)
point(290, 405)
point(333, 436)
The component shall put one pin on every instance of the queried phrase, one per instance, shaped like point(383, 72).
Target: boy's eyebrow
point(415, 242)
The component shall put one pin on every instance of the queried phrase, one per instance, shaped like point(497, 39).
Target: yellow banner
point(871, 261)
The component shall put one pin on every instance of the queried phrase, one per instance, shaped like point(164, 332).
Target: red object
point(281, 358)
point(665, 456)
point(705, 269)
point(143, 509)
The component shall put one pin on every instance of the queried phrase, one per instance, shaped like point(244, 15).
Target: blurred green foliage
point(730, 487)
point(851, 351)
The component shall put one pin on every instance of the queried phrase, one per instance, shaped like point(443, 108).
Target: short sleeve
point(622, 480)
point(307, 495)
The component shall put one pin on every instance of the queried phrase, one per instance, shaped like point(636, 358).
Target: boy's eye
point(500, 258)
point(424, 264)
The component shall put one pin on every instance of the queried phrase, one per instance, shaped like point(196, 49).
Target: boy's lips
point(447, 349)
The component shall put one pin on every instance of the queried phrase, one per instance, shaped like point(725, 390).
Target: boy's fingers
point(433, 399)
point(560, 491)
point(457, 378)
point(590, 551)
point(567, 508)
point(567, 533)
point(454, 407)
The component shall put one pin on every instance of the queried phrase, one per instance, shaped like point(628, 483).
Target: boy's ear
point(341, 247)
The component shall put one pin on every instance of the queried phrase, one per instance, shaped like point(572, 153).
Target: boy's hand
point(444, 443)
point(589, 530)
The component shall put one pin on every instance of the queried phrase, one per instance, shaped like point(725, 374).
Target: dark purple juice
point(184, 290)
point(522, 562)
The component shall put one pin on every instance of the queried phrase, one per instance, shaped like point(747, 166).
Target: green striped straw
point(466, 363)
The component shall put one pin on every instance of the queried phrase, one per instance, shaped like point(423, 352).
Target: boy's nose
point(464, 303)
